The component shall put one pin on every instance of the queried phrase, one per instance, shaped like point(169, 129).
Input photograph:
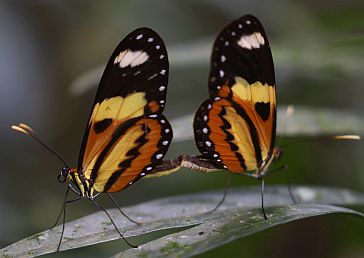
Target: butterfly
point(235, 128)
point(126, 135)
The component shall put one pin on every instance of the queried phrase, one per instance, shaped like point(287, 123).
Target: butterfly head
point(63, 175)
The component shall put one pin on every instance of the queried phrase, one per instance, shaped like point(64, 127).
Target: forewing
point(242, 98)
point(134, 84)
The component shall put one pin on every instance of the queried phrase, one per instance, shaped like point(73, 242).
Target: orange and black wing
point(235, 127)
point(127, 134)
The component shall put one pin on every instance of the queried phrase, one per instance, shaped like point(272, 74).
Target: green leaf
point(229, 226)
point(239, 216)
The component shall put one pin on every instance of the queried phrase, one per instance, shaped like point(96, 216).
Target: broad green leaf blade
point(230, 226)
point(172, 212)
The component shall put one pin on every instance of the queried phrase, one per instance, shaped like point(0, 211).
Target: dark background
point(318, 48)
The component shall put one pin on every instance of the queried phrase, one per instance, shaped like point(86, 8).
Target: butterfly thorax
point(84, 186)
point(264, 168)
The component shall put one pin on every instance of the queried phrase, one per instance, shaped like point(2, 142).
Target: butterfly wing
point(126, 130)
point(236, 126)
point(134, 149)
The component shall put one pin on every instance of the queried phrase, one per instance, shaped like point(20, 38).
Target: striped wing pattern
point(127, 134)
point(235, 127)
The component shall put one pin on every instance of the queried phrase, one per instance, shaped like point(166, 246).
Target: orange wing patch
point(132, 155)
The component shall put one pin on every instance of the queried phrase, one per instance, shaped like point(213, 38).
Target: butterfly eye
point(63, 176)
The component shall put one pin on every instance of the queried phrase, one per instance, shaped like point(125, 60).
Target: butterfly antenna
point(112, 221)
point(224, 196)
point(26, 129)
point(120, 210)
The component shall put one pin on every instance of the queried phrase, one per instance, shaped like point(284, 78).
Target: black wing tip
point(250, 17)
point(145, 31)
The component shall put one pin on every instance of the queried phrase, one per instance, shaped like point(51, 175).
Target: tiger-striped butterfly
point(127, 135)
point(235, 127)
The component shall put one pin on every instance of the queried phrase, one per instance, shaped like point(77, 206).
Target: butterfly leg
point(122, 213)
point(112, 221)
point(63, 207)
point(289, 185)
point(224, 196)
point(262, 194)
point(63, 210)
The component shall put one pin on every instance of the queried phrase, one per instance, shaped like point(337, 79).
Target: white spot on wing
point(222, 58)
point(148, 169)
point(165, 142)
point(251, 41)
point(167, 130)
point(221, 73)
point(159, 156)
point(163, 72)
point(162, 88)
point(131, 58)
point(150, 39)
point(205, 118)
point(248, 22)
point(157, 46)
point(205, 130)
point(208, 143)
point(139, 36)
point(142, 174)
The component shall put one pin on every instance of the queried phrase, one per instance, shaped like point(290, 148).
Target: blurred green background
point(318, 49)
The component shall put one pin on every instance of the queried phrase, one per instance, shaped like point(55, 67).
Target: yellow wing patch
point(256, 92)
point(116, 156)
point(242, 139)
point(120, 108)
